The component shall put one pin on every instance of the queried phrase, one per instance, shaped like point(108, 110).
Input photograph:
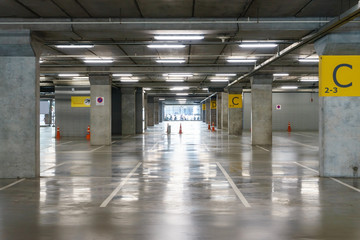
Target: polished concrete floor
point(198, 185)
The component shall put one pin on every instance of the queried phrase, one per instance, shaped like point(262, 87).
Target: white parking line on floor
point(334, 179)
point(313, 170)
point(12, 184)
point(64, 143)
point(262, 148)
point(53, 167)
point(93, 150)
point(309, 146)
point(234, 187)
point(113, 142)
point(206, 147)
point(113, 194)
point(303, 135)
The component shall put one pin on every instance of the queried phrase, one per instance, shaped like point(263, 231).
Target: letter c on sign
point(234, 102)
point(335, 73)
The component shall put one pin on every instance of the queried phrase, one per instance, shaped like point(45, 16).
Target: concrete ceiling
point(121, 30)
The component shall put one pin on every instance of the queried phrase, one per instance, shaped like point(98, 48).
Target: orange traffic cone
point(88, 133)
point(289, 127)
point(209, 127)
point(58, 133)
point(180, 131)
point(213, 128)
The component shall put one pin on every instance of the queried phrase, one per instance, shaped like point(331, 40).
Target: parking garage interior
point(193, 119)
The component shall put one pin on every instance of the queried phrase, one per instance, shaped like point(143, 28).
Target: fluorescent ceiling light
point(225, 74)
point(68, 75)
point(258, 45)
point(309, 60)
point(179, 37)
point(289, 87)
point(182, 94)
point(309, 79)
point(170, 60)
point(181, 99)
point(234, 60)
point(89, 60)
point(280, 74)
point(122, 75)
point(161, 99)
point(178, 75)
point(41, 61)
point(179, 88)
point(166, 46)
point(80, 78)
point(75, 46)
point(147, 89)
point(174, 80)
point(129, 80)
point(205, 89)
point(219, 80)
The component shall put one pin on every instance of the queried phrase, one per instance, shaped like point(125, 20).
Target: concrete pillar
point(20, 103)
point(218, 109)
point(261, 110)
point(100, 112)
point(139, 105)
point(203, 112)
point(161, 112)
point(115, 111)
point(235, 111)
point(339, 130)
point(156, 111)
point(145, 111)
point(224, 111)
point(213, 104)
point(128, 111)
point(208, 111)
point(150, 111)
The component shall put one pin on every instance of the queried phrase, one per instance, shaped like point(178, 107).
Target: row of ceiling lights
point(232, 59)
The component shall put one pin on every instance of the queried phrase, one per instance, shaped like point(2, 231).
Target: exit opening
point(182, 113)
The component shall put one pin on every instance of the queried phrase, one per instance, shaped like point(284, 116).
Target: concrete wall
point(296, 108)
point(73, 122)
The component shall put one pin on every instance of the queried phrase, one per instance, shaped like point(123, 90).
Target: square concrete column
point(203, 112)
point(235, 111)
point(261, 110)
point(128, 111)
point(151, 111)
point(145, 111)
point(218, 109)
point(139, 103)
point(100, 112)
point(156, 110)
point(224, 111)
point(161, 112)
point(213, 118)
point(339, 126)
point(20, 103)
point(208, 112)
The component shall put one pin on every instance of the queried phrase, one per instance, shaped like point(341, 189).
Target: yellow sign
point(235, 100)
point(81, 101)
point(339, 76)
point(204, 107)
point(213, 104)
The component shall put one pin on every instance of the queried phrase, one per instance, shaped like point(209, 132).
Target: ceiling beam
point(133, 24)
point(155, 70)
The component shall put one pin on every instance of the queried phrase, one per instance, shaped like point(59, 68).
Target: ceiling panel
point(44, 8)
point(9, 8)
point(166, 8)
point(111, 8)
point(219, 8)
